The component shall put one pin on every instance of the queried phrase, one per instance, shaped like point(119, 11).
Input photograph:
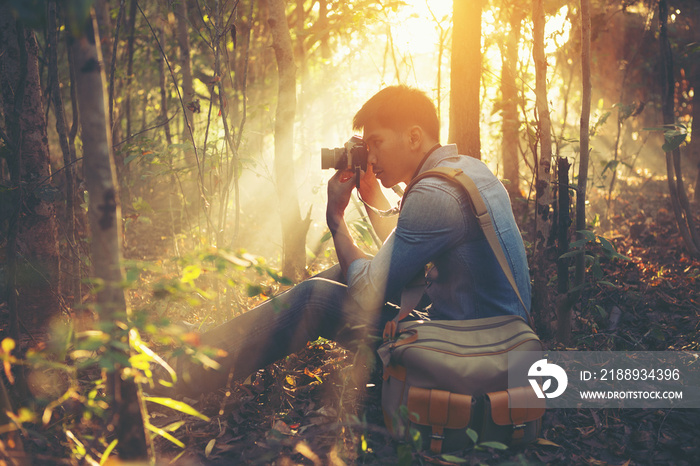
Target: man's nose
point(371, 156)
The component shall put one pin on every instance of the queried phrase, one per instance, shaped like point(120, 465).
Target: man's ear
point(415, 135)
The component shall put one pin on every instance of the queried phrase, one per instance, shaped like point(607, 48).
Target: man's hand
point(372, 193)
point(370, 190)
point(339, 190)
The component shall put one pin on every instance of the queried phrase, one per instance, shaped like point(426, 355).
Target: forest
point(160, 174)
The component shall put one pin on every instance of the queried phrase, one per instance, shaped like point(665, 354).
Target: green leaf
point(453, 459)
point(471, 433)
point(673, 142)
point(589, 235)
point(164, 434)
point(209, 448)
point(177, 405)
point(578, 288)
point(606, 244)
point(8, 344)
point(494, 445)
point(597, 270)
point(253, 290)
point(139, 346)
point(112, 359)
point(191, 273)
point(404, 455)
point(611, 165)
point(108, 451)
point(578, 243)
point(566, 255)
point(601, 311)
point(119, 345)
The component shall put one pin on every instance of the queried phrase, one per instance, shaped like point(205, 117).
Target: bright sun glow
point(417, 25)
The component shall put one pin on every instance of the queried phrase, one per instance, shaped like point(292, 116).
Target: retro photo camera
point(352, 156)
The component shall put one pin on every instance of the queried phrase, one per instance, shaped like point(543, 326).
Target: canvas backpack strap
point(481, 212)
point(410, 297)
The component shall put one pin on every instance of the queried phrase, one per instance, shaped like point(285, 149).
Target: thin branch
point(182, 105)
point(158, 125)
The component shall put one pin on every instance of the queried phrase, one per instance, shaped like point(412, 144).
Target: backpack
point(444, 377)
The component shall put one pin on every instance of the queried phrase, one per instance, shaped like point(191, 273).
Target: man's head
point(400, 125)
point(398, 107)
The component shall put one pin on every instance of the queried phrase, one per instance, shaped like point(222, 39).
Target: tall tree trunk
point(294, 229)
point(564, 302)
point(32, 247)
point(104, 214)
point(679, 198)
point(323, 26)
point(72, 264)
point(542, 170)
point(509, 93)
point(303, 68)
point(465, 77)
point(183, 40)
point(584, 138)
point(104, 22)
point(130, 64)
point(114, 125)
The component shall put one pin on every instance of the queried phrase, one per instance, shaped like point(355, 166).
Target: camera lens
point(327, 159)
point(334, 158)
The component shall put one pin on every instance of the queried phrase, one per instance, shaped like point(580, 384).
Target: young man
point(436, 225)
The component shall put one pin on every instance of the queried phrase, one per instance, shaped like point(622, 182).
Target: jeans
point(317, 307)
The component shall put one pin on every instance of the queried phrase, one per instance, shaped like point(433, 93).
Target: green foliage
point(60, 370)
point(593, 247)
point(624, 111)
point(474, 437)
point(363, 229)
point(70, 369)
point(404, 455)
point(674, 136)
point(600, 122)
point(177, 406)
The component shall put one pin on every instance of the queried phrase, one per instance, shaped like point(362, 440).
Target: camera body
point(352, 156)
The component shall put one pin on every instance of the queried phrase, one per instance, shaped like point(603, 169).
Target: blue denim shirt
point(437, 225)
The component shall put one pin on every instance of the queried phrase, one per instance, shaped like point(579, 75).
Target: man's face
point(389, 152)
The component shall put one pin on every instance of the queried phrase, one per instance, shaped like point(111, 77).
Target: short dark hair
point(399, 107)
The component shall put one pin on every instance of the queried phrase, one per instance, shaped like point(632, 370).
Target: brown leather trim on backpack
point(503, 415)
point(440, 410)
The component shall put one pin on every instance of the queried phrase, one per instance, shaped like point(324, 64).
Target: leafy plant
point(674, 135)
point(589, 245)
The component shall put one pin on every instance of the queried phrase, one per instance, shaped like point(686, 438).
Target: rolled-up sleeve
point(367, 278)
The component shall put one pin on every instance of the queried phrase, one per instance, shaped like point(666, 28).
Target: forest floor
point(314, 408)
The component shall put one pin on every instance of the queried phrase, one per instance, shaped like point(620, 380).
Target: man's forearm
point(383, 226)
point(345, 247)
